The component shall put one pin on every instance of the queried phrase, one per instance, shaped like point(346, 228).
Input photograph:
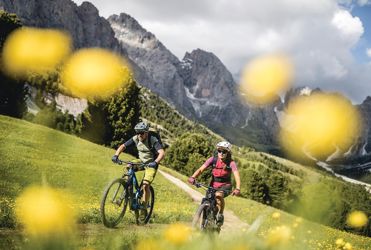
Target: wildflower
point(357, 219)
point(43, 210)
point(276, 215)
point(347, 246)
point(177, 233)
point(279, 235)
point(148, 245)
point(340, 242)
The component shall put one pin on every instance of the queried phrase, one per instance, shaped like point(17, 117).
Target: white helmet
point(224, 144)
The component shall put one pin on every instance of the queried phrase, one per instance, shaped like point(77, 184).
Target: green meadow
point(33, 155)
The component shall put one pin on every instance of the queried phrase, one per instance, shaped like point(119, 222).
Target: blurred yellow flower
point(348, 246)
point(299, 220)
point(276, 215)
point(279, 236)
point(43, 211)
point(239, 246)
point(264, 78)
point(357, 219)
point(340, 242)
point(318, 125)
point(34, 50)
point(177, 233)
point(148, 245)
point(94, 72)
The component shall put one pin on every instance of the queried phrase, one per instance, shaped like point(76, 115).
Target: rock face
point(199, 86)
point(83, 22)
point(365, 110)
point(211, 89)
point(155, 59)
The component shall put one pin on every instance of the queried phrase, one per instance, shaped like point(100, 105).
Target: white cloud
point(368, 52)
point(363, 2)
point(319, 35)
point(350, 27)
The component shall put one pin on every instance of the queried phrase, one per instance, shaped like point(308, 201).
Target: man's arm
point(124, 146)
point(160, 156)
point(120, 149)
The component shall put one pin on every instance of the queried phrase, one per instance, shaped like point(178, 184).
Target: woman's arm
point(199, 171)
point(237, 179)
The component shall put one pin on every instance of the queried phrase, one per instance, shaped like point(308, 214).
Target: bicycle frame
point(210, 200)
point(132, 182)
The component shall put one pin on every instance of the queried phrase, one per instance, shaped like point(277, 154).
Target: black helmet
point(141, 127)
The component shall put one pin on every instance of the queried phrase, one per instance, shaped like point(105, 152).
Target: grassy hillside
point(36, 155)
point(166, 119)
point(306, 234)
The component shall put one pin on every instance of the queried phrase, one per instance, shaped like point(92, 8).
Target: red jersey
point(221, 171)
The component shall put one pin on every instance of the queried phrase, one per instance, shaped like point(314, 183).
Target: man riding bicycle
point(150, 152)
point(222, 168)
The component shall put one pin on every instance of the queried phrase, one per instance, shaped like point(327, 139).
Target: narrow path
point(231, 221)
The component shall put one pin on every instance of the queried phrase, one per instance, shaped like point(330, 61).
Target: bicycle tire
point(150, 207)
point(198, 221)
point(121, 205)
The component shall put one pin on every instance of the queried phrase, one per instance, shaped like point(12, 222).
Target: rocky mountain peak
point(88, 8)
point(205, 76)
point(131, 34)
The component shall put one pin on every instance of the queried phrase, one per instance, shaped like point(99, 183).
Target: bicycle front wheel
point(114, 202)
point(200, 219)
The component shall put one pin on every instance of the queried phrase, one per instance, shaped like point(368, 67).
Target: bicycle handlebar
point(120, 162)
point(199, 184)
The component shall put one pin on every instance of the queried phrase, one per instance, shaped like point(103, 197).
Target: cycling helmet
point(224, 144)
point(141, 127)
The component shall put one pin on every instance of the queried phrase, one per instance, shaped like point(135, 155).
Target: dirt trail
point(231, 221)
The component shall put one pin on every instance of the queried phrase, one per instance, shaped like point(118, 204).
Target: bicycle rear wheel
point(114, 202)
point(143, 217)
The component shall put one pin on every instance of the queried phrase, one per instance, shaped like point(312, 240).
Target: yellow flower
point(357, 219)
point(33, 50)
point(43, 210)
point(177, 233)
point(148, 245)
point(279, 235)
point(298, 220)
point(340, 242)
point(347, 246)
point(276, 215)
point(94, 72)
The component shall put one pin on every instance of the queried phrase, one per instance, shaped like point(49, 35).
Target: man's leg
point(146, 192)
point(149, 175)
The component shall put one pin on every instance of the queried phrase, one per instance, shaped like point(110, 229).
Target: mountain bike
point(125, 191)
point(205, 217)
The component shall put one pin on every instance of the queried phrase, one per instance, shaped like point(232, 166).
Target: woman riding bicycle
point(222, 168)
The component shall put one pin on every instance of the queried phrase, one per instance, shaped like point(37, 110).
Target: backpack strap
point(151, 144)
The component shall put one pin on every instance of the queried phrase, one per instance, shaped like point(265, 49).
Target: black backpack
point(158, 137)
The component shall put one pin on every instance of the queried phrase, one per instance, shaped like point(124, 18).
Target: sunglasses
point(140, 133)
point(222, 151)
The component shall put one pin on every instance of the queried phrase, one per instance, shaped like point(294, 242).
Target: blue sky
point(359, 51)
